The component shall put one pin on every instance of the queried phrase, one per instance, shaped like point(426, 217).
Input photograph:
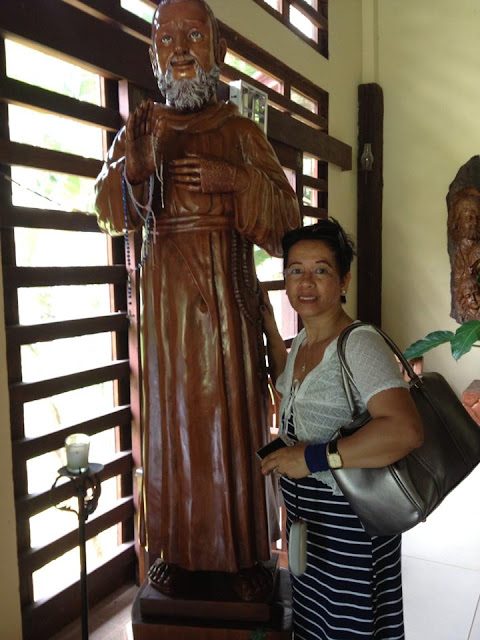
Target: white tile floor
point(441, 569)
point(441, 577)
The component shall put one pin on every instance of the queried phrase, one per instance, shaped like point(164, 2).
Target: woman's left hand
point(288, 461)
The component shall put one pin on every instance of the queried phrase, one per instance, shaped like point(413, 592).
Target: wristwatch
point(333, 457)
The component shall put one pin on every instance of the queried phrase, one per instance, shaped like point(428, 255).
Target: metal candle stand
point(83, 481)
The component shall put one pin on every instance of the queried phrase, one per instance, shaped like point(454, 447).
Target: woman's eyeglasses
point(295, 273)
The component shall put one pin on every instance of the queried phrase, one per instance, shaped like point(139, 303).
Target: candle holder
point(84, 482)
point(77, 446)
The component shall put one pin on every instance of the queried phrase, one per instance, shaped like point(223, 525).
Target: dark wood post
point(369, 211)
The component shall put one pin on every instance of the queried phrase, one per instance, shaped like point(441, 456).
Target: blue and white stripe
point(352, 588)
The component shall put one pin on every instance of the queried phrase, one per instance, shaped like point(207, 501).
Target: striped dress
point(352, 587)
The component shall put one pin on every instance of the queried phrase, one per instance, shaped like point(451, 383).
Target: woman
point(351, 587)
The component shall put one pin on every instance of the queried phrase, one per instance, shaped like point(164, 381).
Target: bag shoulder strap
point(347, 376)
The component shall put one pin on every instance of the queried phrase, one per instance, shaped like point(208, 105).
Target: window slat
point(37, 557)
point(43, 619)
point(312, 14)
point(30, 218)
point(70, 31)
point(315, 183)
point(30, 391)
point(316, 17)
point(34, 503)
point(112, 10)
point(46, 331)
point(21, 93)
point(27, 448)
point(60, 276)
point(25, 155)
point(316, 143)
point(313, 212)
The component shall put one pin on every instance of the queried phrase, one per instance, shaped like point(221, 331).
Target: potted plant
point(464, 338)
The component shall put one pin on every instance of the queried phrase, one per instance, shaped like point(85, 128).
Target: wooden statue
point(207, 185)
point(463, 201)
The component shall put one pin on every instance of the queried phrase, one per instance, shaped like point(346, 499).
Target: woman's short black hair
point(328, 231)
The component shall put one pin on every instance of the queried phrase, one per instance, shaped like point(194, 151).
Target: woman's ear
point(346, 281)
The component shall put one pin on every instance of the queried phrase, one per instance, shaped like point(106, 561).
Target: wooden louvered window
point(308, 19)
point(73, 362)
point(66, 327)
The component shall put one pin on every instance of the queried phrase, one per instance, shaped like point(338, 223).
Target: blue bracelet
point(316, 457)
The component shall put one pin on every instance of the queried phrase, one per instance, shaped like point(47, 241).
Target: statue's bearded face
point(189, 94)
point(183, 55)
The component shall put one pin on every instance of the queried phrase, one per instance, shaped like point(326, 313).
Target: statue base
point(156, 616)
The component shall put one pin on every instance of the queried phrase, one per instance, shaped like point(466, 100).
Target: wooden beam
point(315, 183)
point(62, 276)
point(27, 448)
point(31, 218)
point(46, 331)
point(26, 155)
point(111, 10)
point(369, 209)
point(317, 143)
point(58, 27)
point(37, 557)
point(33, 503)
point(21, 392)
point(283, 17)
point(274, 285)
point(27, 95)
point(312, 14)
point(313, 212)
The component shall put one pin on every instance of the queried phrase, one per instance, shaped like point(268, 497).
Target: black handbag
point(393, 499)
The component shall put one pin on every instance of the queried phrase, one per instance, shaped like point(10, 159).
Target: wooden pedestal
point(158, 617)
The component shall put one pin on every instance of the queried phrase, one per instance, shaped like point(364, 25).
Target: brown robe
point(205, 383)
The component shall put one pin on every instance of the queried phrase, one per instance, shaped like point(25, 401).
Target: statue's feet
point(169, 579)
point(253, 584)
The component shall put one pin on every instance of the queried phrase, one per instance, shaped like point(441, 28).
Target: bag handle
point(347, 376)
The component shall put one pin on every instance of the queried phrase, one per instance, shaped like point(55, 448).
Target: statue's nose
point(181, 42)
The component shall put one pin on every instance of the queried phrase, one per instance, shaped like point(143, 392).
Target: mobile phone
point(280, 442)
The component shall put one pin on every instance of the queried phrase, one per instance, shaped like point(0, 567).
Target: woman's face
point(312, 281)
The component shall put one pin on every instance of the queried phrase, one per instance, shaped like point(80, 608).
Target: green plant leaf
point(464, 338)
point(258, 634)
point(430, 341)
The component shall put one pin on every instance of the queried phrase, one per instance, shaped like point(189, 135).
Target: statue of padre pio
point(204, 185)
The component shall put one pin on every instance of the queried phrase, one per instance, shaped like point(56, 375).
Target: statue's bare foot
point(253, 584)
point(169, 579)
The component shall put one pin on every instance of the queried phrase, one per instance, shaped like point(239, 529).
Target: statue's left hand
point(207, 174)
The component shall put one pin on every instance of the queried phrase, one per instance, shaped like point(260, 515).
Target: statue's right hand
point(139, 150)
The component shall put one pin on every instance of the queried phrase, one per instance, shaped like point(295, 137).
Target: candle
point(76, 447)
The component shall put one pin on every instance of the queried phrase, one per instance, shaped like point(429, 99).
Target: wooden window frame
point(41, 618)
point(318, 17)
point(127, 81)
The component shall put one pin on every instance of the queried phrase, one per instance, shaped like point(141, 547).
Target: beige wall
point(9, 585)
point(428, 55)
